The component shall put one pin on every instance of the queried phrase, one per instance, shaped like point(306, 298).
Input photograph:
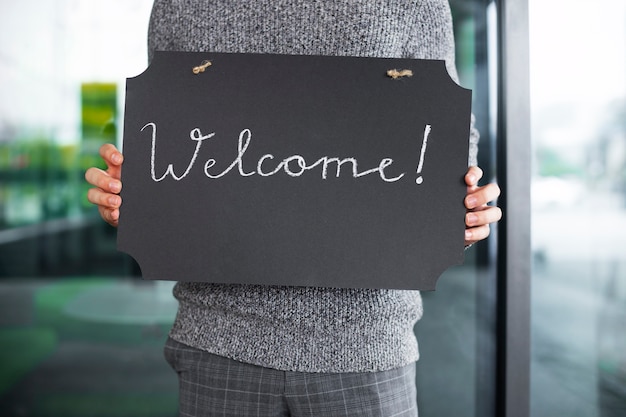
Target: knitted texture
point(304, 329)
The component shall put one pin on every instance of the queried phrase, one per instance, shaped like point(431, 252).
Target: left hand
point(479, 214)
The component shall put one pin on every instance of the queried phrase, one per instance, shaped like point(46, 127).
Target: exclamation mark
point(419, 179)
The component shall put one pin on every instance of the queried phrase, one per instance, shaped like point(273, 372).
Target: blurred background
point(578, 106)
point(81, 334)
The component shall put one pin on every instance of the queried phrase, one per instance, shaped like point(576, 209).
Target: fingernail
point(472, 178)
point(114, 201)
point(470, 202)
point(115, 186)
point(468, 235)
point(117, 158)
point(471, 219)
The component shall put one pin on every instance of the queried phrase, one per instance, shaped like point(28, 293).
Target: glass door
point(456, 373)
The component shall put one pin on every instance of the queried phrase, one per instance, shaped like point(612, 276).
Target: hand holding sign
point(294, 170)
point(107, 184)
point(480, 214)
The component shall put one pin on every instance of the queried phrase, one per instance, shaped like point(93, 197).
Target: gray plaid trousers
point(212, 385)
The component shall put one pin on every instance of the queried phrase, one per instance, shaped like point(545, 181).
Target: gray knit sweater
point(301, 328)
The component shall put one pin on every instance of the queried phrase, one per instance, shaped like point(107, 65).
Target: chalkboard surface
point(294, 170)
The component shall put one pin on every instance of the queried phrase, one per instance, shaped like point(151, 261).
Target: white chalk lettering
point(267, 174)
point(384, 163)
point(294, 165)
point(195, 134)
point(242, 147)
point(420, 165)
point(339, 162)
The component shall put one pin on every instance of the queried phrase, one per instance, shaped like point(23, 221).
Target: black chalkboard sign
point(294, 170)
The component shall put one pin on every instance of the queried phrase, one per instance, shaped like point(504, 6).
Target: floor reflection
point(93, 346)
point(85, 347)
point(579, 311)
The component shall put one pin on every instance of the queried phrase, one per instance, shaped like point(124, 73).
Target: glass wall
point(457, 366)
point(80, 334)
point(578, 96)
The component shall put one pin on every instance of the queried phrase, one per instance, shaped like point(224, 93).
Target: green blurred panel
point(99, 110)
point(98, 120)
point(23, 349)
point(39, 180)
point(103, 310)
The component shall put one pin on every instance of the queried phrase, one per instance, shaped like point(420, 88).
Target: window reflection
point(579, 208)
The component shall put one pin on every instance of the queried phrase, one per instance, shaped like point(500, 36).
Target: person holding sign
point(244, 350)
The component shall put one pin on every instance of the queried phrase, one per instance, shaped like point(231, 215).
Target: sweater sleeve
point(434, 39)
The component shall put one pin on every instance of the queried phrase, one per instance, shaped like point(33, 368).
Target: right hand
point(107, 184)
